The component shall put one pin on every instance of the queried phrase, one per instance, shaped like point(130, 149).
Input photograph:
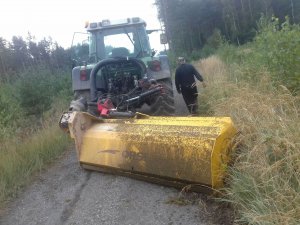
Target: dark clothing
point(185, 84)
point(185, 76)
point(190, 95)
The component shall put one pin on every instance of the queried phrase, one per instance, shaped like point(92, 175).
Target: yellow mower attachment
point(171, 150)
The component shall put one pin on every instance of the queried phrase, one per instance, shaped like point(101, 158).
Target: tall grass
point(265, 179)
point(19, 161)
point(30, 108)
point(22, 156)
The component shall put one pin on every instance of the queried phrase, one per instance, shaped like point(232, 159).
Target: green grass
point(20, 160)
point(264, 184)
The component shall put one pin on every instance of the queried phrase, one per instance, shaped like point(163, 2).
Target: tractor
point(122, 73)
point(112, 135)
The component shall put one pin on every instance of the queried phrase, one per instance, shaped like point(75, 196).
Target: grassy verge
point(19, 161)
point(30, 107)
point(265, 179)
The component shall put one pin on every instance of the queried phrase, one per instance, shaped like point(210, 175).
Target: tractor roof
point(108, 24)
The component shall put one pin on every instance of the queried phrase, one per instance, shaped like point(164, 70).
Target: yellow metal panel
point(135, 148)
point(191, 149)
point(221, 153)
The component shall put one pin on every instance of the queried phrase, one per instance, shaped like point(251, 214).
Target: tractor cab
point(122, 38)
point(116, 38)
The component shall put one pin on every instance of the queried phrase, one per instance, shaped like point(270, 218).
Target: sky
point(59, 19)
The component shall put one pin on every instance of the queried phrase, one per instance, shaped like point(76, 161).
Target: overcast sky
point(60, 18)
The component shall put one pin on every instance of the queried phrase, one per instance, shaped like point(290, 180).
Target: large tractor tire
point(163, 105)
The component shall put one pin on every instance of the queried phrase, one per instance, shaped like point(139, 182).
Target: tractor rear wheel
point(163, 105)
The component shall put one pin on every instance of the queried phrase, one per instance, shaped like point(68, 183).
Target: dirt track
point(68, 195)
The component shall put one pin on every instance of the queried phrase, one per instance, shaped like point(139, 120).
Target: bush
point(28, 97)
point(37, 143)
point(37, 87)
point(275, 50)
point(30, 106)
point(213, 43)
point(10, 111)
point(9, 108)
point(279, 48)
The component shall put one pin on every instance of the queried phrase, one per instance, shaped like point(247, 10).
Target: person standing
point(186, 85)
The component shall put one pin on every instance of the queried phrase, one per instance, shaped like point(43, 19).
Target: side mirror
point(163, 39)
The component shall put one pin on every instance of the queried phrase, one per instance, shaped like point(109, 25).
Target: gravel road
point(67, 195)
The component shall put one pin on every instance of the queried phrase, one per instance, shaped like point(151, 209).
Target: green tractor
point(122, 75)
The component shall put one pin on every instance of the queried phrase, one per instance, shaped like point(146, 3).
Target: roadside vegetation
point(35, 88)
point(258, 86)
point(254, 77)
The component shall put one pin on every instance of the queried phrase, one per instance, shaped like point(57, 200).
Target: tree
point(190, 23)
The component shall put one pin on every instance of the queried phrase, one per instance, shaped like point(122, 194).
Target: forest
point(18, 55)
point(190, 24)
